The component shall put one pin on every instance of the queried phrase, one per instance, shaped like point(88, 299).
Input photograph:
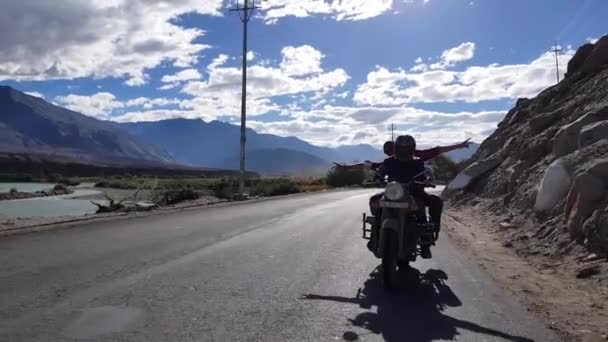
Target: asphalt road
point(289, 269)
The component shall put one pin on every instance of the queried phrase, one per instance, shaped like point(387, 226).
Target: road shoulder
point(576, 309)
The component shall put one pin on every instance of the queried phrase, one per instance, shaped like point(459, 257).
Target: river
point(48, 207)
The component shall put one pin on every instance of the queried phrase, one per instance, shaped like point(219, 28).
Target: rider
point(406, 163)
point(403, 167)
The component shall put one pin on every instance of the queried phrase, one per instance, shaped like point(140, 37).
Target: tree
point(445, 168)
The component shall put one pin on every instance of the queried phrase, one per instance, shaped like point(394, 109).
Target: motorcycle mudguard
point(389, 224)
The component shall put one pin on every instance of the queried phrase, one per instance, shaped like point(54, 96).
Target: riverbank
point(14, 194)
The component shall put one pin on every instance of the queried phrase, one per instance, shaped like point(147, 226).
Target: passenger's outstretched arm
point(367, 165)
point(435, 151)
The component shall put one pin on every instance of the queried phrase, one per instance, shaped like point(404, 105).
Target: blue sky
point(331, 72)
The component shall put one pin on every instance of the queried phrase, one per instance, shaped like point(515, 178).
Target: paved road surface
point(290, 269)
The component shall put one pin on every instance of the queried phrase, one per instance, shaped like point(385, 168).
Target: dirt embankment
point(576, 308)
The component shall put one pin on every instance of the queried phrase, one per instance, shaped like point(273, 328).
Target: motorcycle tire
point(389, 260)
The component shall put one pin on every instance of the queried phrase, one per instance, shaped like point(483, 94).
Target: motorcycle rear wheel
point(389, 260)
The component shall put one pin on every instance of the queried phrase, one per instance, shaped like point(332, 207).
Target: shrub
point(13, 191)
point(57, 178)
point(116, 185)
point(318, 182)
point(275, 187)
point(225, 189)
point(68, 182)
point(337, 177)
point(61, 188)
point(177, 196)
point(445, 169)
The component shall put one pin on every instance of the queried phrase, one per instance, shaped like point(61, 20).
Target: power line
point(556, 49)
point(245, 13)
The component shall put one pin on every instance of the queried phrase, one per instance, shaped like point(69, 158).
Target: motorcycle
point(398, 227)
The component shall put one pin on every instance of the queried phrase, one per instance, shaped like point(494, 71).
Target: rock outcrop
point(589, 58)
point(548, 158)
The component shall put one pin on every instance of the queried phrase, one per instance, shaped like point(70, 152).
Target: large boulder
point(588, 191)
point(598, 58)
point(596, 232)
point(554, 186)
point(534, 152)
point(593, 133)
point(567, 138)
point(541, 122)
point(579, 58)
point(475, 170)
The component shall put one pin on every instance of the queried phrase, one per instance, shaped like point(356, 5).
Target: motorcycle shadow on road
point(413, 311)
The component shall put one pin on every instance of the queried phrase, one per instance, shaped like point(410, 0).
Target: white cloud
point(337, 9)
point(35, 94)
point(102, 104)
point(181, 76)
point(148, 103)
point(250, 56)
point(98, 105)
point(137, 79)
point(300, 61)
point(343, 94)
point(332, 125)
point(420, 67)
point(167, 86)
point(68, 39)
point(217, 62)
point(478, 83)
point(458, 54)
point(299, 72)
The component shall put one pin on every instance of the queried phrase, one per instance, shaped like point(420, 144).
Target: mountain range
point(29, 124)
point(216, 143)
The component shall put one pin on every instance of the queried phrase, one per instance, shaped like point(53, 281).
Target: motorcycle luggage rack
point(367, 232)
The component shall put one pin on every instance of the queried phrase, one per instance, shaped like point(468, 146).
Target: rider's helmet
point(405, 146)
point(389, 148)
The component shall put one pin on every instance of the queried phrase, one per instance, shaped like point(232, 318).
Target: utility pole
point(392, 132)
point(245, 13)
point(556, 50)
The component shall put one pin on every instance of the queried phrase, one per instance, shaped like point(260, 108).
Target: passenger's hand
point(339, 167)
point(465, 144)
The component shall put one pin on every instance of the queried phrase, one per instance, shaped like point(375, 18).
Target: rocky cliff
point(548, 159)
